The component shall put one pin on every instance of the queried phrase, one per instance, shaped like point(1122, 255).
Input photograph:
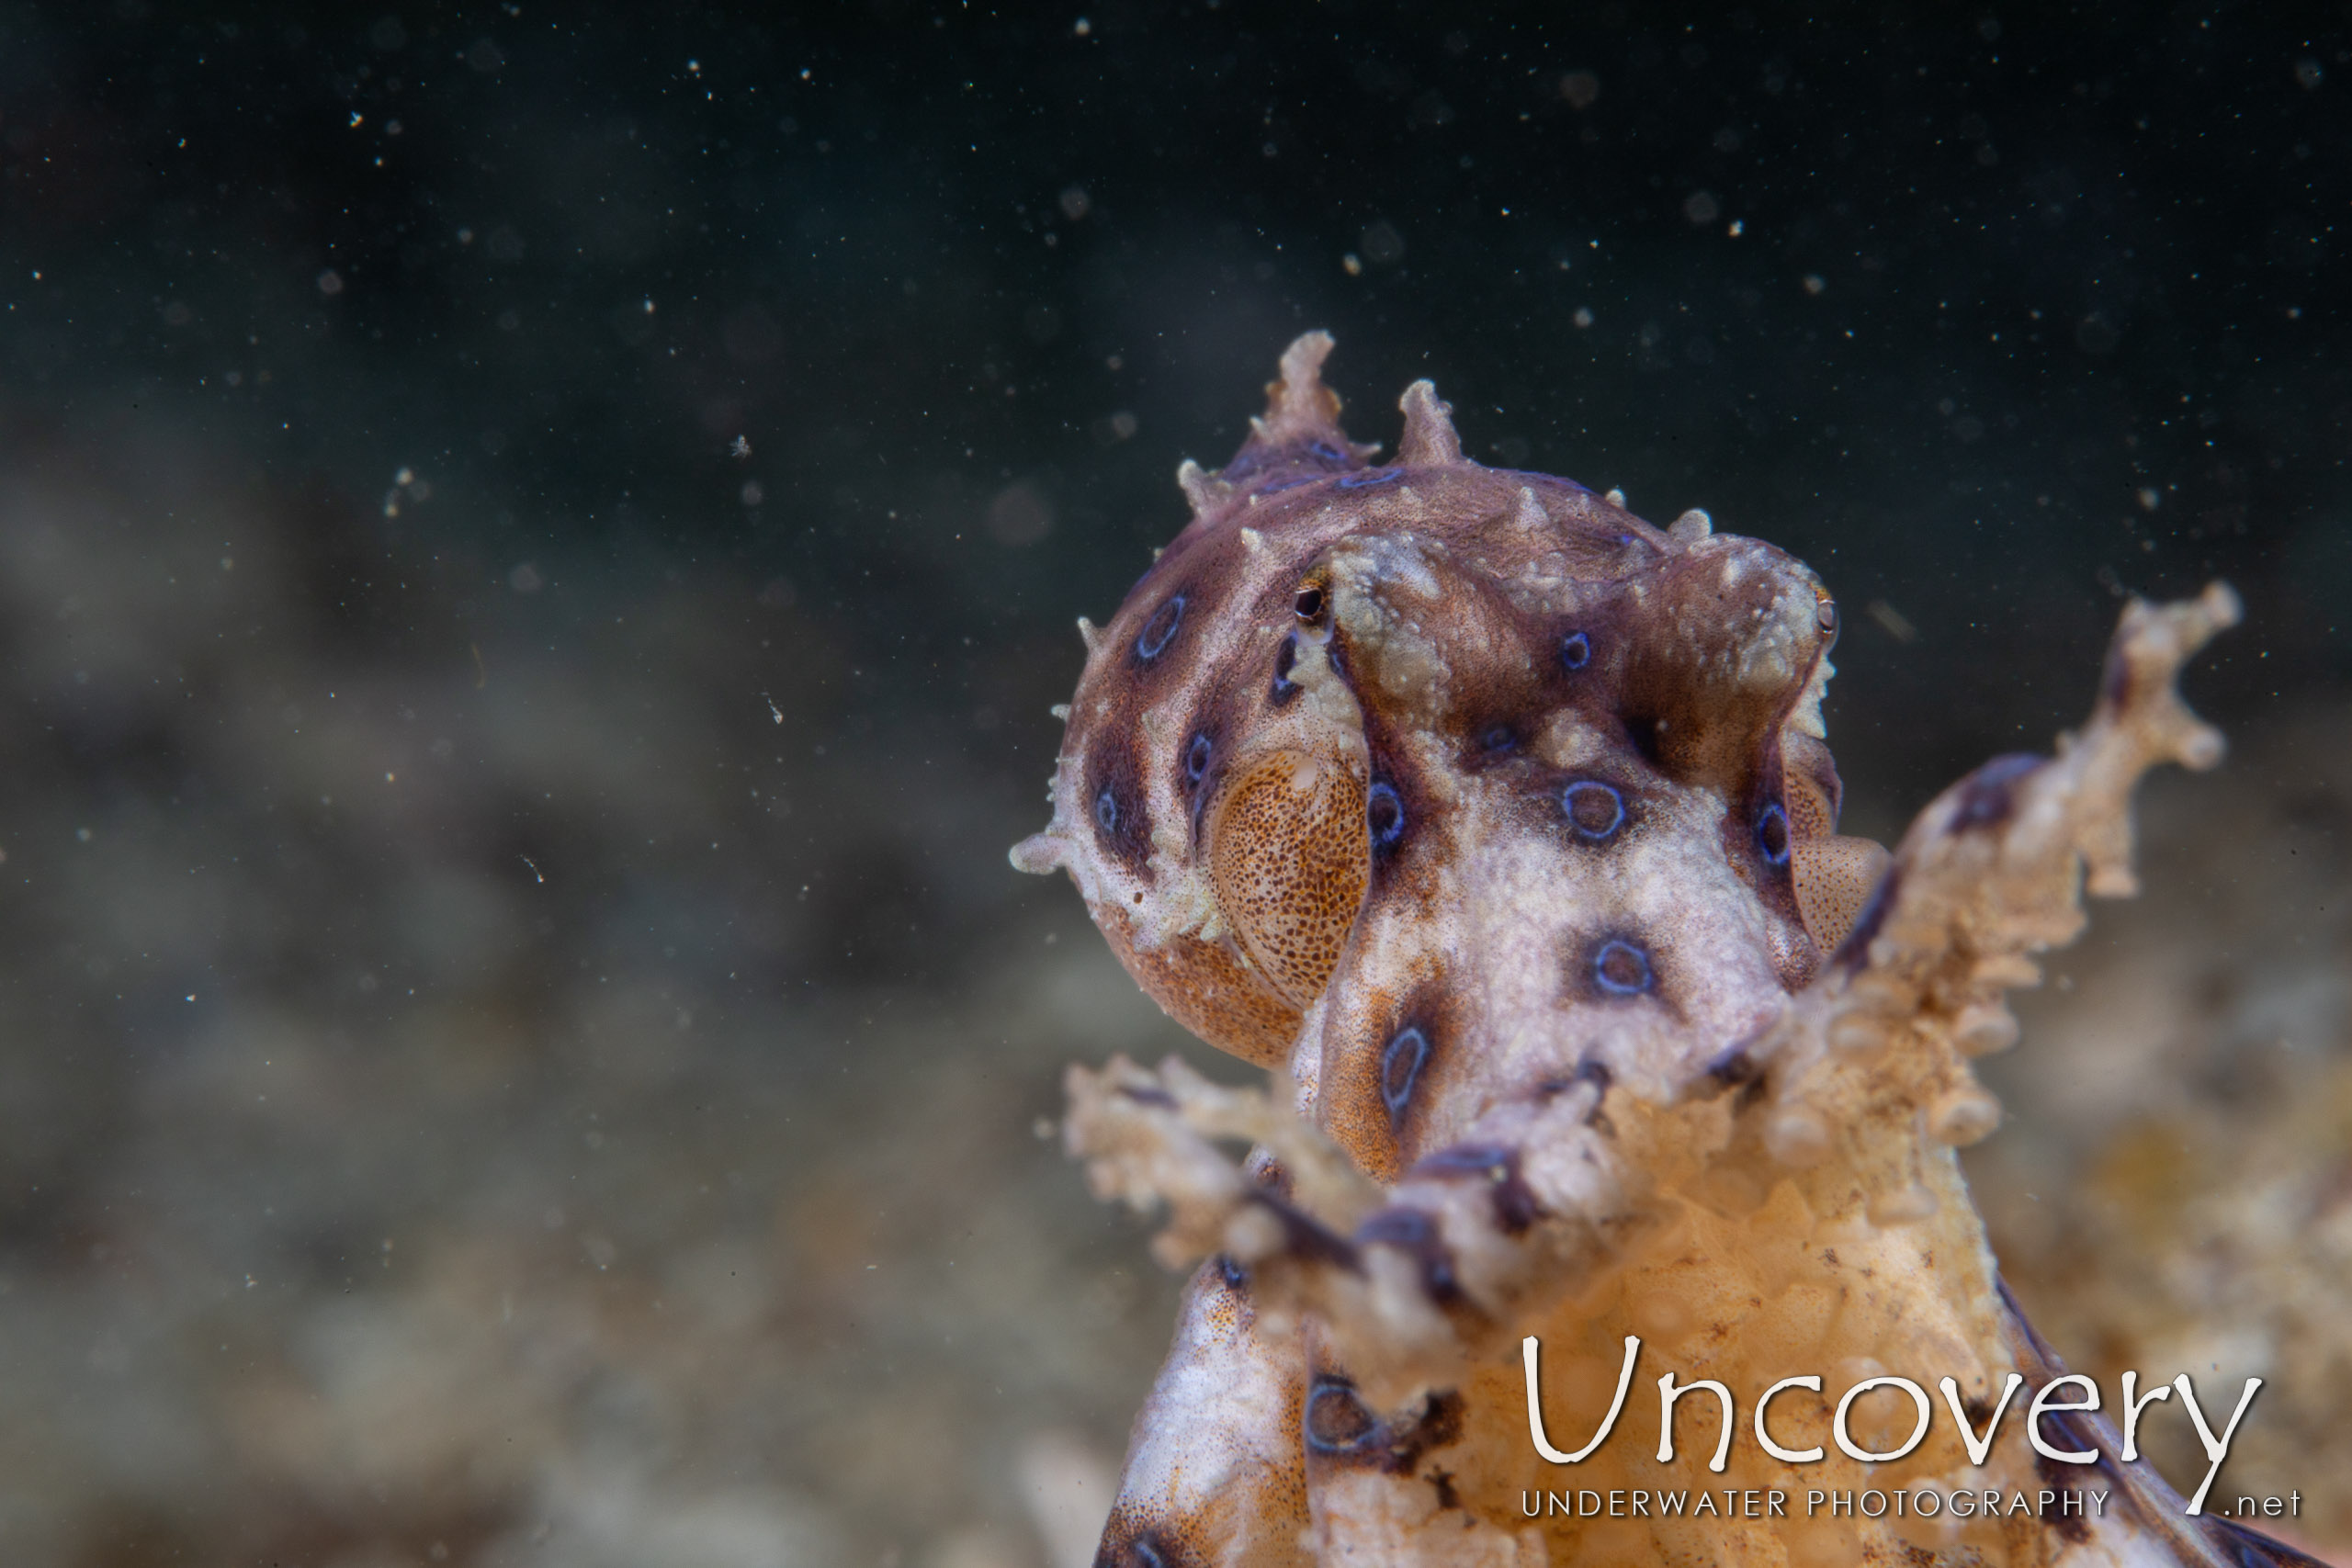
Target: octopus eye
point(1308, 606)
point(1772, 835)
point(1824, 617)
point(1161, 630)
point(1196, 759)
point(1400, 1066)
point(1595, 810)
point(1385, 814)
point(1576, 650)
point(1288, 862)
point(1106, 812)
point(1620, 969)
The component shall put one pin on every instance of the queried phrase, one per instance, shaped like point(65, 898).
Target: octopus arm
point(1991, 873)
point(1213, 1472)
point(2160, 1520)
point(1406, 1284)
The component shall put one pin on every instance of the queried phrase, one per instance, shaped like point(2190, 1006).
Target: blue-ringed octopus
point(1500, 825)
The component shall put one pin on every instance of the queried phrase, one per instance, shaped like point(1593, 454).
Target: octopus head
point(1438, 782)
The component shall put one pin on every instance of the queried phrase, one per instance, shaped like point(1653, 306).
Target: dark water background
point(537, 543)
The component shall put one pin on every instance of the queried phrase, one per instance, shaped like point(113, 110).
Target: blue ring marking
point(1153, 640)
point(1328, 451)
point(1387, 838)
point(1357, 1428)
point(1196, 758)
point(1624, 957)
point(1106, 811)
point(1576, 650)
point(1589, 791)
point(1370, 477)
point(1401, 1061)
point(1766, 820)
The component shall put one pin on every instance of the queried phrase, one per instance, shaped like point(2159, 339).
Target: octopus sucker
point(1501, 827)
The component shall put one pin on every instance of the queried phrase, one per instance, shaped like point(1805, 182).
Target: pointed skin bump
point(1429, 440)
